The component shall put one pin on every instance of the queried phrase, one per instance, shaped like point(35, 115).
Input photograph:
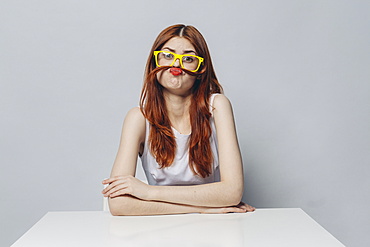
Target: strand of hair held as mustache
point(155, 71)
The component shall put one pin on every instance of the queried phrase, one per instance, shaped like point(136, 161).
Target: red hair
point(162, 141)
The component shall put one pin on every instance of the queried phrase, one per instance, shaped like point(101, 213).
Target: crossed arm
point(129, 196)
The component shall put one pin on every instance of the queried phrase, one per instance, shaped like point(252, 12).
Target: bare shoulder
point(134, 123)
point(221, 104)
point(135, 115)
point(223, 113)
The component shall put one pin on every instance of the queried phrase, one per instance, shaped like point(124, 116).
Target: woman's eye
point(167, 55)
point(188, 59)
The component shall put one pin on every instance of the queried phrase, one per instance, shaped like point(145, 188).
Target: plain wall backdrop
point(296, 72)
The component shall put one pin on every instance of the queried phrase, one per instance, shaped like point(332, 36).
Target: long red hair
point(162, 141)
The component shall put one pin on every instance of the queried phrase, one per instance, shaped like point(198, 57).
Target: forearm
point(128, 205)
point(219, 194)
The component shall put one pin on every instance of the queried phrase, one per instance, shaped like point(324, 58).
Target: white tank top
point(179, 173)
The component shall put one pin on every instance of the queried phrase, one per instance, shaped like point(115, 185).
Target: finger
point(106, 181)
point(115, 178)
point(234, 210)
point(120, 192)
point(247, 207)
point(250, 208)
point(114, 184)
point(115, 191)
point(107, 188)
point(110, 180)
point(117, 187)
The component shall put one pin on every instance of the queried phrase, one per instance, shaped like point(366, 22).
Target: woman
point(185, 134)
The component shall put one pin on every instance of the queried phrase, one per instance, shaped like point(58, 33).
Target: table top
point(264, 227)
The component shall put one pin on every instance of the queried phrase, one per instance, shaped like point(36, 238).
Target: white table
point(264, 227)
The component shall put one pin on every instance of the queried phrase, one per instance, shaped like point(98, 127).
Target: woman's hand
point(125, 185)
point(240, 208)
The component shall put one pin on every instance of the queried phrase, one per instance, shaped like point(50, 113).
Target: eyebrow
point(172, 50)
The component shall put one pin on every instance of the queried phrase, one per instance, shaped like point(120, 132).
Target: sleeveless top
point(179, 173)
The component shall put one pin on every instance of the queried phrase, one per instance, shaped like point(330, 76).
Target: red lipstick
point(176, 71)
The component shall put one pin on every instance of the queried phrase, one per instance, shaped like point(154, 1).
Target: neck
point(178, 112)
point(177, 106)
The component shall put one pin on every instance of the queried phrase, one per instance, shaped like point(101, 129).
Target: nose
point(176, 63)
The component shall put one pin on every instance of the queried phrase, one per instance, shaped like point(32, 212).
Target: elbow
point(115, 206)
point(120, 206)
point(233, 196)
point(115, 211)
point(234, 199)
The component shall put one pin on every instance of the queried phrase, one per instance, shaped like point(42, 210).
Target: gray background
point(297, 73)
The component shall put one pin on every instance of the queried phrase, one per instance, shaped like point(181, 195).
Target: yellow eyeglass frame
point(180, 57)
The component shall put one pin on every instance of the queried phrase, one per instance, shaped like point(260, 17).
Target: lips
point(176, 71)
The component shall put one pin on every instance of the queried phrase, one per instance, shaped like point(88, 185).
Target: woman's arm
point(132, 137)
point(225, 193)
point(128, 205)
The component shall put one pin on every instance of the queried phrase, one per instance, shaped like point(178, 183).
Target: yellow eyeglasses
point(167, 58)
